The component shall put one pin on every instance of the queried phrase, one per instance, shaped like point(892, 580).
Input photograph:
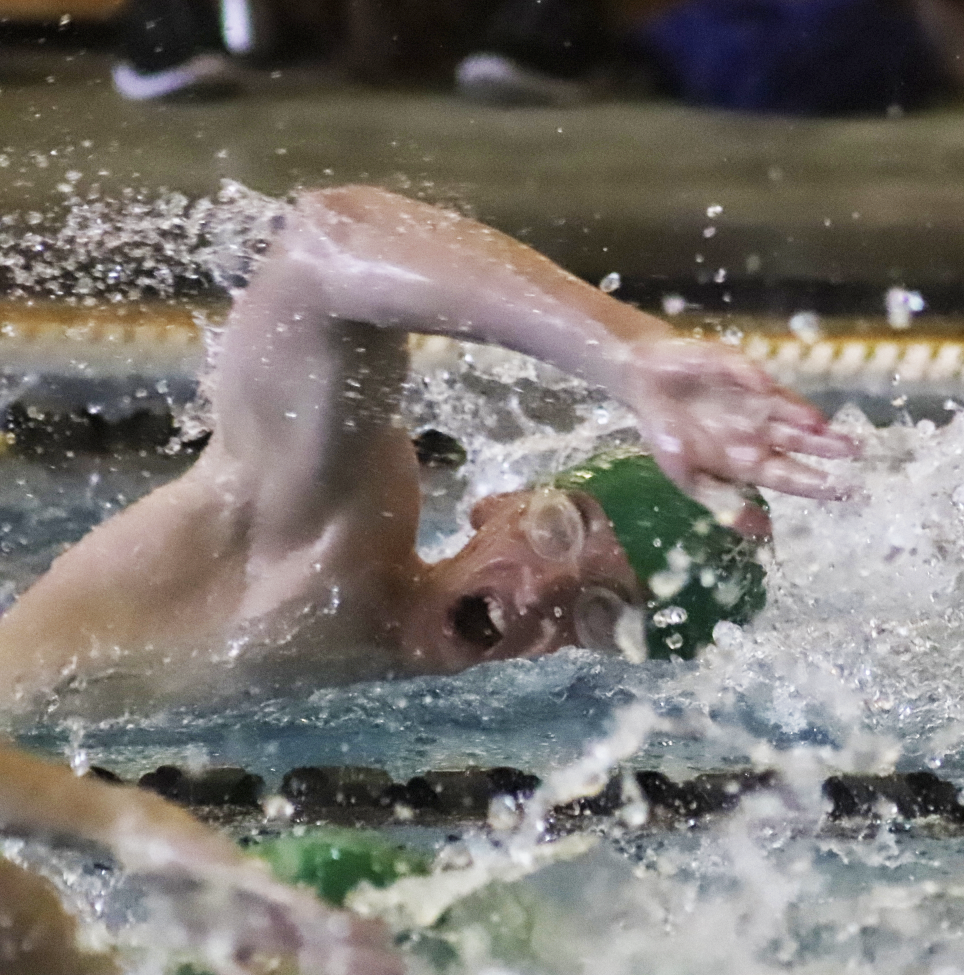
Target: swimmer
point(208, 902)
point(285, 558)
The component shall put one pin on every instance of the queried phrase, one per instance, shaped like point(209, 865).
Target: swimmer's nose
point(553, 526)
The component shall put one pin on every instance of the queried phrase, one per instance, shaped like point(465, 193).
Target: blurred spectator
point(805, 57)
point(174, 47)
point(408, 41)
point(943, 23)
point(817, 57)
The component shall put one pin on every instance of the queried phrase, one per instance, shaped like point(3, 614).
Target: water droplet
point(611, 282)
point(670, 616)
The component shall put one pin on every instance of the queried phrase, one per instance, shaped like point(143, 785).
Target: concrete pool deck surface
point(624, 185)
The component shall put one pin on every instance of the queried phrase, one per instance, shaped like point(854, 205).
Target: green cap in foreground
point(698, 571)
point(334, 861)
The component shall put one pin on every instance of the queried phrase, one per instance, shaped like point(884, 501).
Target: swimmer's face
point(543, 570)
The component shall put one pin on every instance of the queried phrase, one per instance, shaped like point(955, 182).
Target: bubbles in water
point(670, 616)
point(611, 282)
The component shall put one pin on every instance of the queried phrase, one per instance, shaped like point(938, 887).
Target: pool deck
point(615, 186)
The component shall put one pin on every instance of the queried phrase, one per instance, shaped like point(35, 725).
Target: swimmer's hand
point(240, 921)
point(715, 420)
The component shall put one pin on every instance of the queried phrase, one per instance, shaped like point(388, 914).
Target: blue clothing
point(800, 57)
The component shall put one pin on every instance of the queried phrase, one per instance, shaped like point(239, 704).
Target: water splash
point(89, 249)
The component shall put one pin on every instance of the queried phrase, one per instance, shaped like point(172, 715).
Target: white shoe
point(205, 73)
point(499, 80)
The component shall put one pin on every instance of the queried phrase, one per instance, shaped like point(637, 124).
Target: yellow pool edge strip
point(103, 340)
point(55, 323)
point(909, 359)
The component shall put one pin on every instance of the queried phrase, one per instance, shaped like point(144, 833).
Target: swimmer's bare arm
point(711, 416)
point(228, 910)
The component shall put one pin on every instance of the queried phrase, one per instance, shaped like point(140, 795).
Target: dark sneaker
point(172, 48)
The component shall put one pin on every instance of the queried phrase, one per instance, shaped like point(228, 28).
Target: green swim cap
point(698, 571)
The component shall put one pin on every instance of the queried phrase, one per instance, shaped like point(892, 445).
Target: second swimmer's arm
point(710, 415)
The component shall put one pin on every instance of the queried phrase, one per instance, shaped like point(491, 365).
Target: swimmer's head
point(543, 570)
point(696, 571)
point(558, 565)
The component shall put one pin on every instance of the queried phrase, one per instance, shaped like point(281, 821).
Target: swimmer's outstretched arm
point(711, 416)
point(226, 907)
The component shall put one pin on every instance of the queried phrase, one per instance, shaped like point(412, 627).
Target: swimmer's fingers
point(824, 443)
point(326, 941)
point(800, 427)
point(724, 438)
point(780, 472)
point(747, 455)
point(729, 382)
point(709, 413)
point(697, 456)
point(357, 954)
